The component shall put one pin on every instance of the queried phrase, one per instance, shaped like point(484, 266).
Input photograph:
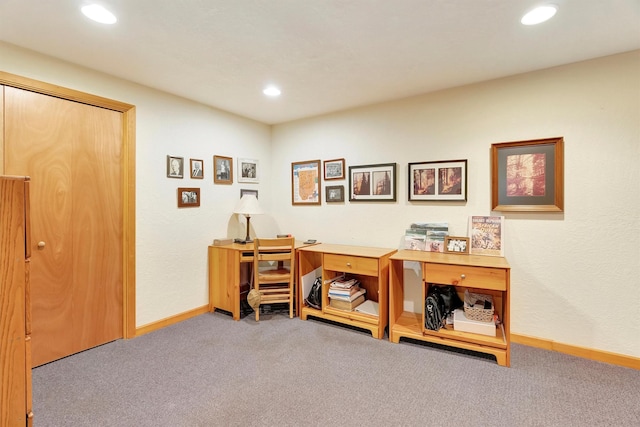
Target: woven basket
point(476, 311)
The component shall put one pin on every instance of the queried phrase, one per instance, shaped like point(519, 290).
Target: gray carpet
point(213, 371)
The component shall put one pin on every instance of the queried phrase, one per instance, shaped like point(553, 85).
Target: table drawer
point(351, 264)
point(472, 277)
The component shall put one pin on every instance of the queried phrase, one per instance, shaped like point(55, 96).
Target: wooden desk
point(230, 275)
point(482, 274)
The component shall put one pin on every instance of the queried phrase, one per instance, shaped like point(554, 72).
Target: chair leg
point(257, 310)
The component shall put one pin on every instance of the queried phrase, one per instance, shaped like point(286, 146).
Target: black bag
point(315, 295)
point(440, 303)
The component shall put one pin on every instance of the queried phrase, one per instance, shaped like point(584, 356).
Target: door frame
point(128, 167)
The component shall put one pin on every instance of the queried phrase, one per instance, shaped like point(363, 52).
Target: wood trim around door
point(128, 180)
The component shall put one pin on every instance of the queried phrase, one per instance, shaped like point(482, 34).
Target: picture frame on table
point(196, 166)
point(175, 167)
point(188, 197)
point(372, 183)
point(222, 170)
point(333, 169)
point(528, 176)
point(334, 193)
point(306, 182)
point(444, 180)
point(248, 170)
point(456, 245)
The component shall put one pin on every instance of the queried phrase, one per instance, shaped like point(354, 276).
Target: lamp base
point(242, 241)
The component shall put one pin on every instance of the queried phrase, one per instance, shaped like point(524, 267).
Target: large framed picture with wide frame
point(372, 183)
point(444, 180)
point(528, 176)
point(306, 182)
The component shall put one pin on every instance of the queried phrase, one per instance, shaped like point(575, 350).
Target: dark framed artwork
point(248, 170)
point(222, 170)
point(528, 176)
point(305, 182)
point(334, 193)
point(175, 167)
point(188, 197)
point(197, 168)
point(439, 181)
point(244, 191)
point(372, 183)
point(334, 169)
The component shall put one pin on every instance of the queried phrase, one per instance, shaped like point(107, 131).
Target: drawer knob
point(348, 264)
point(463, 276)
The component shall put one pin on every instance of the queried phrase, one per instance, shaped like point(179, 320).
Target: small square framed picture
point(188, 197)
point(334, 169)
point(456, 245)
point(248, 170)
point(334, 193)
point(196, 167)
point(175, 167)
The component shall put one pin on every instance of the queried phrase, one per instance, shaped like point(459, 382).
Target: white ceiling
point(326, 55)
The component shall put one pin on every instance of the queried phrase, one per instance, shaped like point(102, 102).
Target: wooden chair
point(273, 269)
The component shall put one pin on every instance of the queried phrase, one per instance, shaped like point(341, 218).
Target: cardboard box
point(461, 323)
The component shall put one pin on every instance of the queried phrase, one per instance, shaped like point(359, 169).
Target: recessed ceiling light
point(99, 14)
point(271, 91)
point(539, 15)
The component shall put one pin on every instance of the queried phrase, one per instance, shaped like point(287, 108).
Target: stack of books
point(346, 294)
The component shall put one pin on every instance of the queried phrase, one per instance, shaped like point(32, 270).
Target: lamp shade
point(248, 205)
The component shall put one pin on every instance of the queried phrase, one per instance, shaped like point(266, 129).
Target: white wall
point(575, 275)
point(171, 243)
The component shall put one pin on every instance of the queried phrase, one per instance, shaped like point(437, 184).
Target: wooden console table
point(369, 265)
point(481, 274)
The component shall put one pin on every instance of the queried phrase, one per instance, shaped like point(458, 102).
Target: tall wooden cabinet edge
point(476, 272)
point(355, 260)
point(15, 354)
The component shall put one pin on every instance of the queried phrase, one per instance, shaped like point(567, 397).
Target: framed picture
point(248, 170)
point(188, 197)
point(175, 167)
point(456, 245)
point(244, 191)
point(305, 182)
point(441, 180)
point(196, 166)
point(372, 182)
point(334, 169)
point(222, 170)
point(486, 235)
point(528, 176)
point(334, 193)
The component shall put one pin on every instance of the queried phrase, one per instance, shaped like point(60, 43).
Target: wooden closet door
point(72, 152)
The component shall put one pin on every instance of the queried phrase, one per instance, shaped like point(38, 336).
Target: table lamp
point(248, 206)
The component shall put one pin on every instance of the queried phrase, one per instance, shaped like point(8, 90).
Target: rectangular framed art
point(372, 183)
point(334, 169)
point(456, 245)
point(248, 170)
point(305, 182)
point(441, 180)
point(486, 235)
point(244, 191)
point(175, 167)
point(222, 170)
point(188, 197)
point(197, 169)
point(528, 176)
point(334, 193)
